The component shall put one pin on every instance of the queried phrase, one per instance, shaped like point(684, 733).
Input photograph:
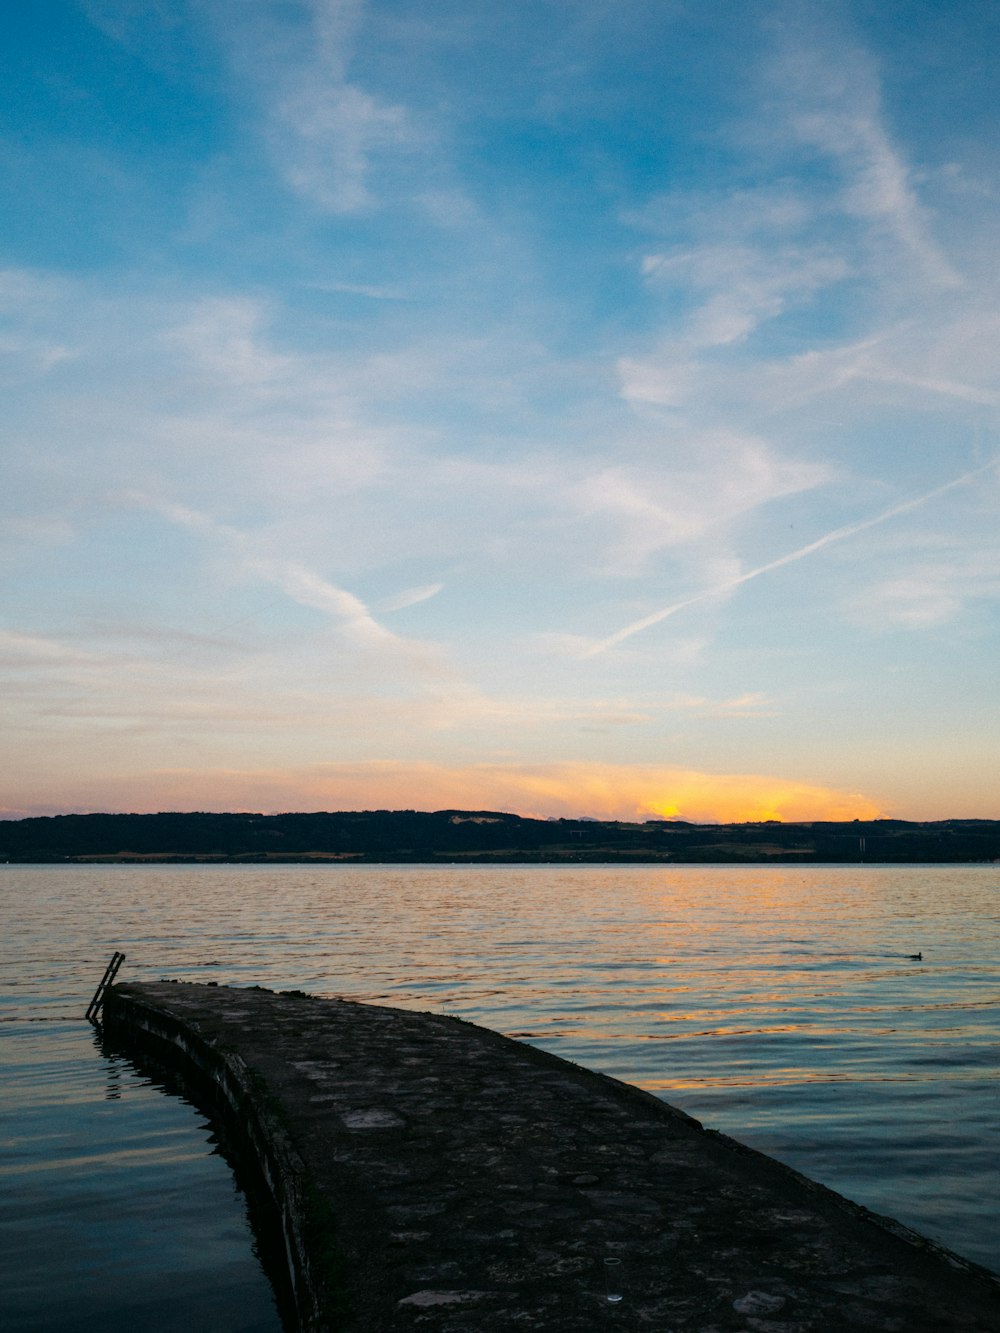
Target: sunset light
point(500, 529)
point(575, 409)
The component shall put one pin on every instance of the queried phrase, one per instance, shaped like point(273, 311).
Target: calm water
point(778, 1005)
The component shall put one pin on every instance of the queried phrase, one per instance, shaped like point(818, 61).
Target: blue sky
point(573, 407)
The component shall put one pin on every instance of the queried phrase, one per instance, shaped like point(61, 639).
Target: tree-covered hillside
point(481, 836)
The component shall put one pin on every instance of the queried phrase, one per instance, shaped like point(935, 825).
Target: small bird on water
point(917, 957)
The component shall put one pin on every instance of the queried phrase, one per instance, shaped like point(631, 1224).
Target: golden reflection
point(119, 1158)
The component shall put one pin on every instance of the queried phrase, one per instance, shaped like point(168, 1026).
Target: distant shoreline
point(483, 837)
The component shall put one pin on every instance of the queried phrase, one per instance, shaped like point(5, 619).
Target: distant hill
point(482, 836)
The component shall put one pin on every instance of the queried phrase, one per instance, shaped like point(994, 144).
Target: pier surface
point(433, 1175)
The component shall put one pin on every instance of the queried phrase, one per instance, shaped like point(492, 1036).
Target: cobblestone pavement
point(476, 1185)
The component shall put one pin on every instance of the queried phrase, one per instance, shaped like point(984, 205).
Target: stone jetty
point(428, 1174)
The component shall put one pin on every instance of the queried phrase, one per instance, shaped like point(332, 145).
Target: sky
point(571, 407)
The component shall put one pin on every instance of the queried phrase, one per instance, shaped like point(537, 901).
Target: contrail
point(838, 534)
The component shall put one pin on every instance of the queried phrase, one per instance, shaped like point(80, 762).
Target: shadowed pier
point(430, 1174)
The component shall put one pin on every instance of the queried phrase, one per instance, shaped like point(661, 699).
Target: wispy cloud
point(720, 476)
point(836, 535)
point(739, 278)
point(840, 212)
point(832, 103)
point(329, 135)
point(20, 649)
point(326, 135)
point(742, 285)
point(349, 613)
point(410, 597)
point(926, 591)
point(223, 337)
point(28, 301)
point(374, 291)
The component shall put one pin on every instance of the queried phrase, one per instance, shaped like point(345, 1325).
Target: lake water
point(779, 1005)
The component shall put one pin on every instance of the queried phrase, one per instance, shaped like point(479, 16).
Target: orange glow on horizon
point(568, 790)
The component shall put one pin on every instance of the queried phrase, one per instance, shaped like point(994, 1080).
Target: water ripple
point(782, 1005)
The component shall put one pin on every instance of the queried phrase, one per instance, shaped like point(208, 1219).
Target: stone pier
point(427, 1174)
